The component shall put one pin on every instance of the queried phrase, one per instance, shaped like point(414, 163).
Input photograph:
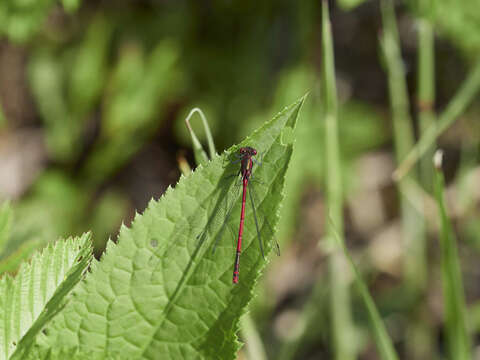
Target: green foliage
point(20, 20)
point(87, 68)
point(38, 292)
point(82, 72)
point(56, 207)
point(139, 87)
point(52, 209)
point(46, 82)
point(110, 81)
point(161, 291)
point(461, 23)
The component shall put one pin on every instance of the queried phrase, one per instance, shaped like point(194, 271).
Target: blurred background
point(93, 97)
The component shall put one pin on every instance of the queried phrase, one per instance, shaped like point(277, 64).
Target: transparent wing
point(220, 217)
point(229, 206)
point(253, 202)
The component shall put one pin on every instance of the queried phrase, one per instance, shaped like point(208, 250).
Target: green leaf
point(61, 354)
point(162, 292)
point(36, 294)
point(5, 225)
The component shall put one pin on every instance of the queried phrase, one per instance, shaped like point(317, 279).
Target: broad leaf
point(30, 299)
point(161, 293)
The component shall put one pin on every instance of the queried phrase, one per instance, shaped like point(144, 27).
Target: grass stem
point(339, 279)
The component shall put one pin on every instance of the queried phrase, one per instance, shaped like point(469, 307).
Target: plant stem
point(339, 278)
point(413, 226)
point(419, 341)
point(426, 92)
point(412, 220)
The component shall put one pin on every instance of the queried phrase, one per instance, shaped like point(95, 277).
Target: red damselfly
point(246, 158)
point(227, 193)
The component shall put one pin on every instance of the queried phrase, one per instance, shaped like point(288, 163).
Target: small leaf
point(161, 293)
point(37, 292)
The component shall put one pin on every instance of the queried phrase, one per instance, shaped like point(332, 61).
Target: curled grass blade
point(200, 154)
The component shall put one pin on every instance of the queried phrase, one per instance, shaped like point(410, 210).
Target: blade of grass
point(419, 337)
point(453, 294)
point(382, 339)
point(413, 226)
point(426, 92)
point(454, 109)
point(343, 329)
point(412, 220)
point(254, 346)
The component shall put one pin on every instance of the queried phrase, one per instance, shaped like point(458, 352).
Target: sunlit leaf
point(161, 292)
point(37, 292)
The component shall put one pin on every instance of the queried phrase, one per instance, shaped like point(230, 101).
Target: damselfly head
point(247, 151)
